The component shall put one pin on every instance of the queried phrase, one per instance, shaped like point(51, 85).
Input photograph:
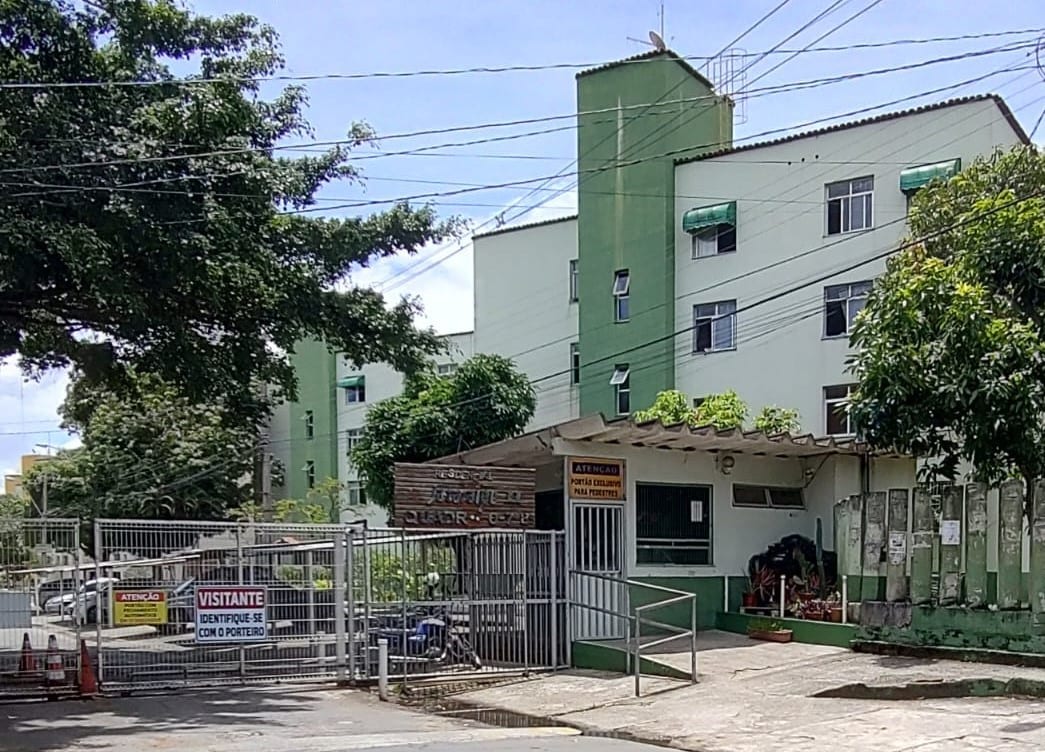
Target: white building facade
point(777, 246)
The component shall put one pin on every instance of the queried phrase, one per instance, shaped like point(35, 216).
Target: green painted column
point(1010, 544)
point(921, 547)
point(950, 545)
point(896, 558)
point(1036, 580)
point(976, 545)
point(874, 540)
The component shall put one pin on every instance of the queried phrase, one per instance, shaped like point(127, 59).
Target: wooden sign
point(596, 479)
point(464, 496)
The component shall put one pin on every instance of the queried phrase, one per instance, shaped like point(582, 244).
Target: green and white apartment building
point(693, 263)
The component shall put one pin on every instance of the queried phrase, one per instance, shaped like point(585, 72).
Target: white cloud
point(29, 411)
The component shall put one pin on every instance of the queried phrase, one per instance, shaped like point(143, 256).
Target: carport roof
point(535, 448)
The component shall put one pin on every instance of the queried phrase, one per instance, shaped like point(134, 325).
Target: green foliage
point(392, 574)
point(723, 411)
point(148, 452)
point(321, 506)
point(671, 407)
point(487, 399)
point(159, 227)
point(951, 346)
point(774, 420)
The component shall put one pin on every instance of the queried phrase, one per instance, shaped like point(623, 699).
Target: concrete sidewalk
point(760, 697)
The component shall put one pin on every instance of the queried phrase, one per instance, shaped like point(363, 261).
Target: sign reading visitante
point(596, 479)
point(464, 496)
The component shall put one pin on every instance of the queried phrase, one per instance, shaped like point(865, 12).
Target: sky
point(329, 37)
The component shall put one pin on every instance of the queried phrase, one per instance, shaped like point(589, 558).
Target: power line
point(679, 152)
point(765, 91)
point(31, 85)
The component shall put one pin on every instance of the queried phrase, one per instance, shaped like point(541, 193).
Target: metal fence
point(40, 574)
point(457, 601)
point(191, 603)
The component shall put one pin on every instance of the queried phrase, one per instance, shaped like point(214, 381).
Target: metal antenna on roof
point(656, 41)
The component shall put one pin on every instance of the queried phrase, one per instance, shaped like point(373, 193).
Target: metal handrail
point(636, 619)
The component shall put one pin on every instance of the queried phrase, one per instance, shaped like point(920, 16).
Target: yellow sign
point(140, 607)
point(596, 479)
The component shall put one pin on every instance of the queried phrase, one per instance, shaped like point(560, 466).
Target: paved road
point(265, 720)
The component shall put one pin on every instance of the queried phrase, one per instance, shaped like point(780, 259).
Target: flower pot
point(835, 614)
point(775, 635)
point(749, 600)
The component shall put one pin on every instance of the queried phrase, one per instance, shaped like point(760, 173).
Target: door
point(598, 595)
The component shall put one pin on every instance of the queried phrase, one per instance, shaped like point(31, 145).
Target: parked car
point(83, 606)
point(51, 589)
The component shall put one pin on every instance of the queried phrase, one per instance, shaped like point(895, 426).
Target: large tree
point(147, 452)
point(487, 399)
point(951, 346)
point(151, 217)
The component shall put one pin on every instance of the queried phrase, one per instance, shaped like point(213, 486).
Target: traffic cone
point(27, 662)
point(88, 681)
point(55, 674)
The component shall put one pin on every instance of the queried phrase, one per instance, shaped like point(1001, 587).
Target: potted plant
point(750, 597)
point(759, 590)
point(768, 630)
point(833, 606)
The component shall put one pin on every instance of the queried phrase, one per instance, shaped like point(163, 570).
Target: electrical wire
point(33, 85)
point(415, 271)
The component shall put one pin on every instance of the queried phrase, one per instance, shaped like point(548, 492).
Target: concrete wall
point(523, 309)
point(782, 356)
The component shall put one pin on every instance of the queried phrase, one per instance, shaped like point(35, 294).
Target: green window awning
point(704, 217)
point(914, 178)
point(350, 381)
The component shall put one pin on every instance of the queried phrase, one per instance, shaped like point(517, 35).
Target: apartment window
point(621, 382)
point(850, 205)
point(715, 240)
point(310, 425)
point(841, 304)
point(310, 474)
point(574, 290)
point(836, 410)
point(352, 437)
point(446, 369)
point(715, 326)
point(354, 494)
point(621, 295)
point(773, 497)
point(672, 524)
point(575, 363)
point(355, 394)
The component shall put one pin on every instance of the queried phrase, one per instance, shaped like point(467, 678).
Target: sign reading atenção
point(464, 496)
point(596, 479)
point(139, 607)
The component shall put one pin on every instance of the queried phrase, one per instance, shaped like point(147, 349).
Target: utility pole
point(265, 465)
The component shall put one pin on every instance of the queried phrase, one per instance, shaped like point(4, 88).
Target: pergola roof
point(534, 448)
